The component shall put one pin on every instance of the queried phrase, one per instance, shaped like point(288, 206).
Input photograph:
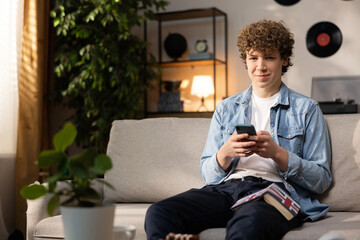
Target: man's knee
point(155, 211)
point(254, 220)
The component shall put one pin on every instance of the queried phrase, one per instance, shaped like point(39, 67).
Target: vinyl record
point(323, 39)
point(287, 2)
point(175, 45)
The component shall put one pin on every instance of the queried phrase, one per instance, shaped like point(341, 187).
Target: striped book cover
point(275, 196)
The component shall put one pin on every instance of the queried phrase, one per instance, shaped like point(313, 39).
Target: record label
point(323, 39)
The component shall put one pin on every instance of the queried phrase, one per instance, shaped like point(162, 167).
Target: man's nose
point(261, 65)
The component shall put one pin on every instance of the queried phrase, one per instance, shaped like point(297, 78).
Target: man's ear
point(286, 62)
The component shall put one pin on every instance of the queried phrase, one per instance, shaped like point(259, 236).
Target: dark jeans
point(209, 207)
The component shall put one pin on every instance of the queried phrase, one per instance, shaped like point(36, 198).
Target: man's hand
point(267, 148)
point(238, 145)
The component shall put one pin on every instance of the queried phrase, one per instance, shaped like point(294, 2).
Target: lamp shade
point(202, 86)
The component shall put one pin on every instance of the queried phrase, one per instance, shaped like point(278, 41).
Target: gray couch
point(157, 158)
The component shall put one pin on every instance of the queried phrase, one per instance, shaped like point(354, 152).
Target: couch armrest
point(36, 211)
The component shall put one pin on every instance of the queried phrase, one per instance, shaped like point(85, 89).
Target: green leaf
point(53, 203)
point(89, 194)
point(65, 137)
point(81, 165)
point(79, 171)
point(48, 158)
point(52, 13)
point(106, 183)
point(102, 164)
point(56, 22)
point(54, 178)
point(33, 191)
point(52, 186)
point(86, 158)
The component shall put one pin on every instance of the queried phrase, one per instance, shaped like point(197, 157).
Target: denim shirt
point(297, 125)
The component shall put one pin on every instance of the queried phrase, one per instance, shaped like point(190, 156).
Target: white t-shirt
point(255, 165)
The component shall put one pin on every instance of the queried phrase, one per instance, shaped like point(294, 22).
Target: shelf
point(212, 14)
point(189, 14)
point(190, 63)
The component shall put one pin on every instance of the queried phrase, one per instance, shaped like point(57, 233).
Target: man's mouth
point(262, 75)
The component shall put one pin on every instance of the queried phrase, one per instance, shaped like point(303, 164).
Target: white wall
point(299, 18)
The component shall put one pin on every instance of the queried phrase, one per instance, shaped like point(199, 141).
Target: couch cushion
point(131, 138)
point(132, 214)
point(343, 223)
point(344, 193)
point(51, 228)
point(155, 158)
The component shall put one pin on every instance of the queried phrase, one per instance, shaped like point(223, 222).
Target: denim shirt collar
point(245, 98)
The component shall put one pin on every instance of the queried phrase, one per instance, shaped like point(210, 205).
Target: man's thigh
point(199, 209)
point(259, 220)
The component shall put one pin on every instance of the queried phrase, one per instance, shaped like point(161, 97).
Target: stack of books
point(201, 56)
point(170, 102)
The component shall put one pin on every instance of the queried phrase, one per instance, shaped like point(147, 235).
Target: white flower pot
point(88, 223)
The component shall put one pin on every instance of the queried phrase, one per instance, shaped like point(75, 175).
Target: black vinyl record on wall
point(287, 2)
point(323, 39)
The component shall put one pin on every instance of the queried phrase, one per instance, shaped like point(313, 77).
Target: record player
point(338, 106)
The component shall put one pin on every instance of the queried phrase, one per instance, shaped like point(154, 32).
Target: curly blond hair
point(265, 36)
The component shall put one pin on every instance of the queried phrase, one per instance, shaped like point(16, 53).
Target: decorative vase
point(88, 223)
point(171, 85)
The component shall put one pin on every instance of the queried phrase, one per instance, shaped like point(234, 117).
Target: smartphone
point(246, 128)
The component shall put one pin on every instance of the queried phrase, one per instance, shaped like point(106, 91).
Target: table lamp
point(202, 86)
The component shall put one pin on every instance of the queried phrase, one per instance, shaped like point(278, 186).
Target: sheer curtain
point(11, 12)
point(32, 85)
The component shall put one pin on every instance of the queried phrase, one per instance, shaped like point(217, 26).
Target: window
point(11, 13)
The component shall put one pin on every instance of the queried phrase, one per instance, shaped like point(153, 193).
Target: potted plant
point(71, 186)
point(101, 64)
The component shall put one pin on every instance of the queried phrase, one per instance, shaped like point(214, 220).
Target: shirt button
point(289, 136)
point(271, 116)
point(272, 134)
point(228, 131)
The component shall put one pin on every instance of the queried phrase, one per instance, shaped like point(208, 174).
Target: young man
point(291, 148)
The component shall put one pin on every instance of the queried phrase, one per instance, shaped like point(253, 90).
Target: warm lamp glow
point(202, 86)
point(184, 84)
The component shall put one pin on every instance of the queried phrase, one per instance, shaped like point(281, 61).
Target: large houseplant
point(71, 184)
point(100, 64)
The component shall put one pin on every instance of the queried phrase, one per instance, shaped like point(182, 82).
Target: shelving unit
point(212, 14)
point(191, 63)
